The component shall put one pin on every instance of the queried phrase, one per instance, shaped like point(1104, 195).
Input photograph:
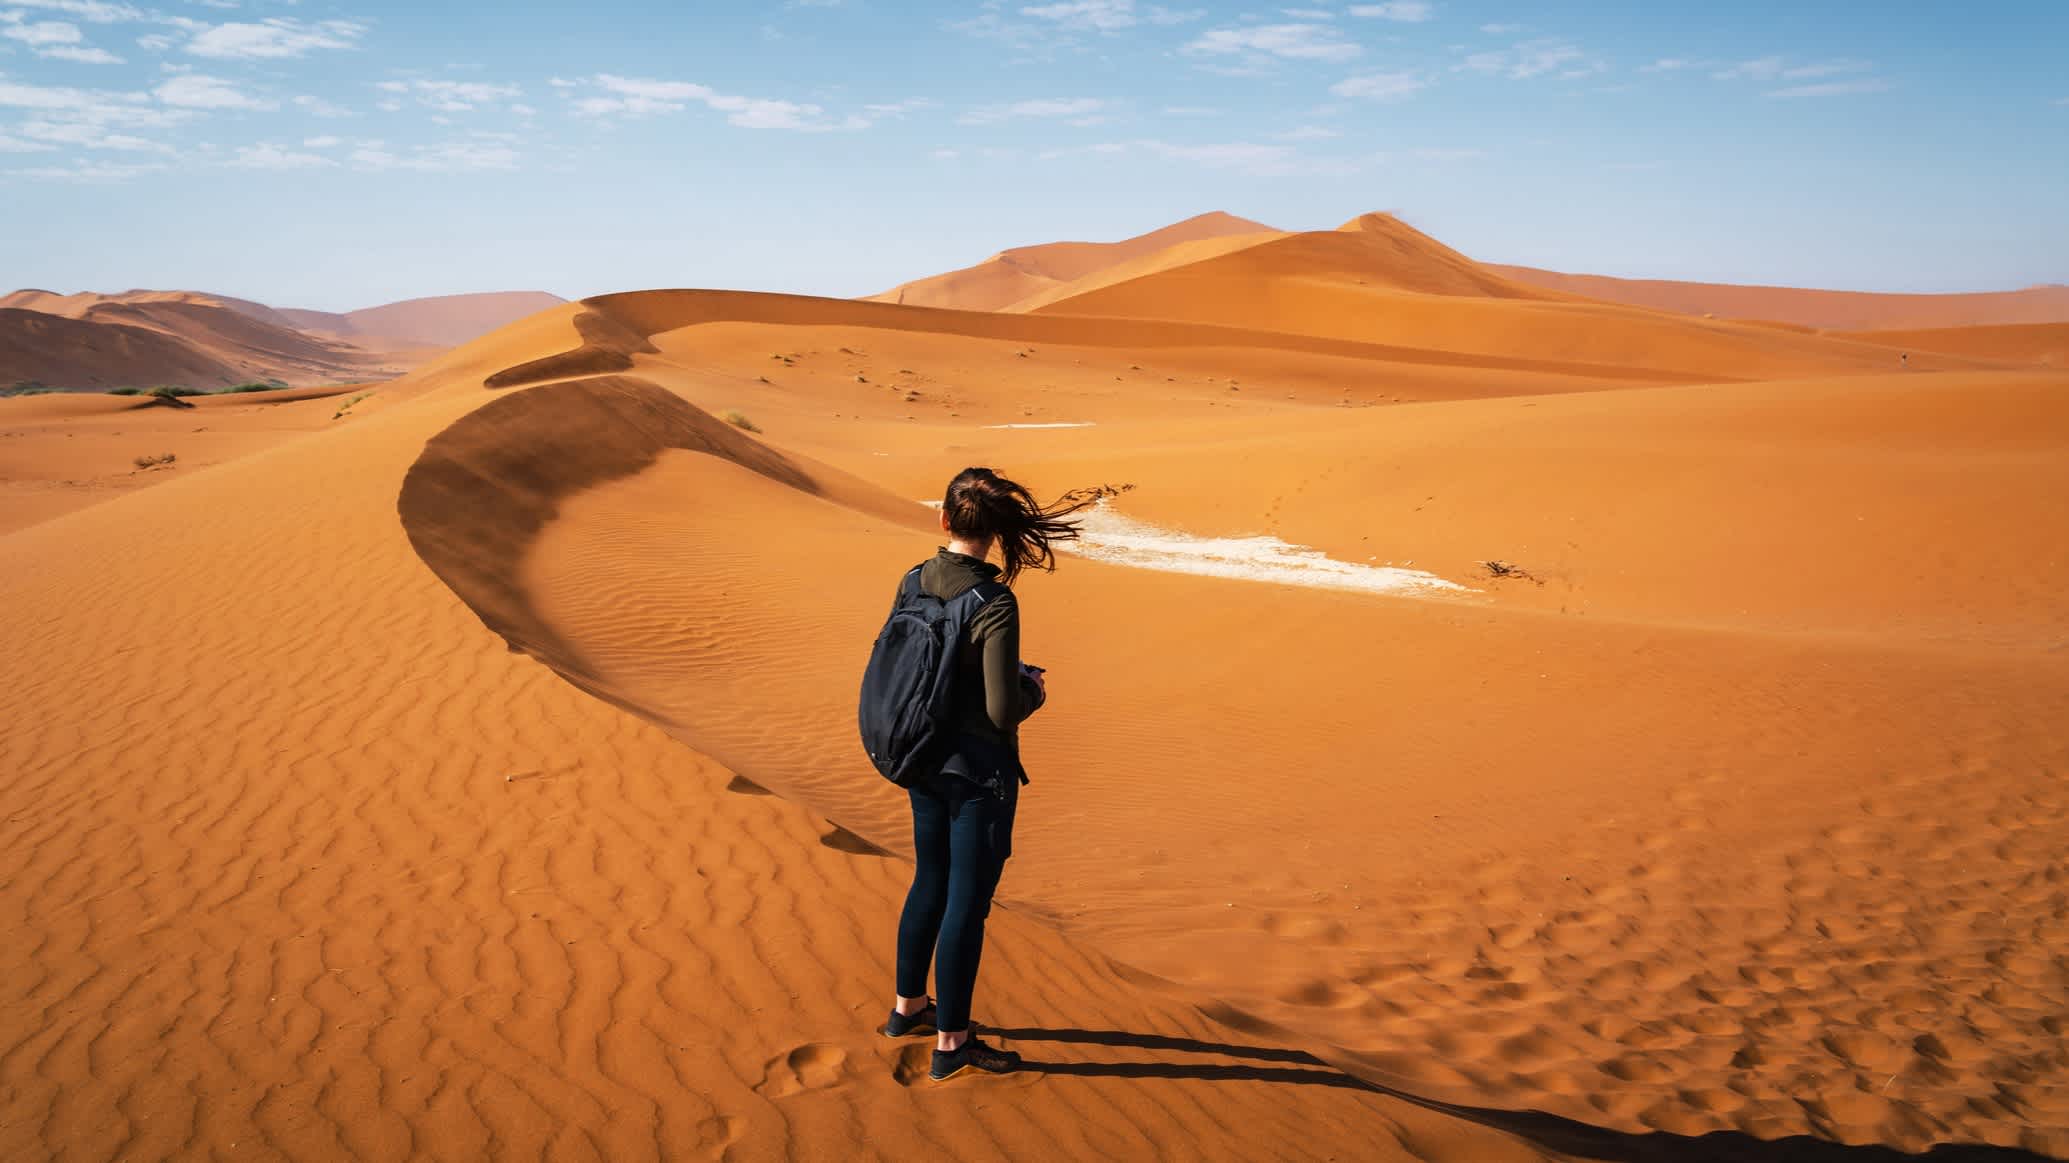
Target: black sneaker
point(973, 1054)
point(906, 1025)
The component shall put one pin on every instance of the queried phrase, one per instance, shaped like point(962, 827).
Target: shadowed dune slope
point(2046, 344)
point(1833, 310)
point(1013, 275)
point(164, 337)
point(65, 352)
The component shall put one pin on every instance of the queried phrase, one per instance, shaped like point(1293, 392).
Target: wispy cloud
point(1501, 29)
point(276, 38)
point(55, 39)
point(1551, 56)
point(93, 170)
point(321, 107)
point(1107, 15)
point(91, 11)
point(200, 91)
point(1667, 65)
point(1078, 108)
point(453, 96)
point(1400, 11)
point(640, 97)
point(1315, 42)
point(87, 135)
point(447, 157)
point(1772, 68)
point(1381, 86)
point(266, 156)
point(1833, 88)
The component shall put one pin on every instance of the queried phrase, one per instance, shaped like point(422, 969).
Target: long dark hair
point(981, 505)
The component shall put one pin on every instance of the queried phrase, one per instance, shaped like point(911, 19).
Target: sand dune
point(1834, 310)
point(1011, 276)
point(441, 320)
point(400, 788)
point(206, 340)
point(1377, 280)
point(2046, 344)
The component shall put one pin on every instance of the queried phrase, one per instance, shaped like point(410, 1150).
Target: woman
point(962, 815)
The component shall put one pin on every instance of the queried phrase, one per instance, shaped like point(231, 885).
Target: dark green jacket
point(992, 696)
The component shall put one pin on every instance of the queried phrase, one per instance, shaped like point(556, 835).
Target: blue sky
point(337, 155)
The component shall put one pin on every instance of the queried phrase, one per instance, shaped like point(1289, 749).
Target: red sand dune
point(1831, 310)
point(1016, 274)
point(213, 340)
point(423, 803)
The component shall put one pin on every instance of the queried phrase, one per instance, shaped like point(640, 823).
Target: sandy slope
point(2030, 343)
point(1837, 310)
point(1012, 276)
point(63, 452)
point(356, 815)
point(410, 893)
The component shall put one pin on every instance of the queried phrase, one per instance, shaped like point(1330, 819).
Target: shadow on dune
point(1551, 1132)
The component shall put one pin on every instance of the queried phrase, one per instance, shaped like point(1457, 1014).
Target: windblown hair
point(982, 505)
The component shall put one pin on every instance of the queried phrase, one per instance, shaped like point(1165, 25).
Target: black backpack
point(908, 688)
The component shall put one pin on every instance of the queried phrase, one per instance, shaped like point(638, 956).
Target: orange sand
point(398, 788)
point(1837, 310)
point(1014, 275)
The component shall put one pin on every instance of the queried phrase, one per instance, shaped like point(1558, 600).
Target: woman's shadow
point(1552, 1132)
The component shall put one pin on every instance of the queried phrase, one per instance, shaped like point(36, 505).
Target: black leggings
point(961, 836)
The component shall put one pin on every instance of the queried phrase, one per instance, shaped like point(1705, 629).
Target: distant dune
point(1378, 280)
point(2038, 343)
point(199, 339)
point(445, 320)
point(1832, 310)
point(1013, 275)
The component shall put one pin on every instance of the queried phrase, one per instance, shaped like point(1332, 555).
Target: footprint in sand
point(812, 1066)
point(719, 1132)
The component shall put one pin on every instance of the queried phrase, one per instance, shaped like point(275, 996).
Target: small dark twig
point(1507, 569)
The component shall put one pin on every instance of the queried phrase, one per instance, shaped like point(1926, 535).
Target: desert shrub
point(125, 391)
point(174, 391)
point(254, 386)
point(154, 461)
point(738, 419)
point(27, 388)
point(347, 405)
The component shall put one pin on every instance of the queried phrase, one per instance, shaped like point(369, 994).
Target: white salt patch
point(1108, 536)
point(1060, 424)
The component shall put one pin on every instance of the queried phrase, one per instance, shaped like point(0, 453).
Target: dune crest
point(1014, 275)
